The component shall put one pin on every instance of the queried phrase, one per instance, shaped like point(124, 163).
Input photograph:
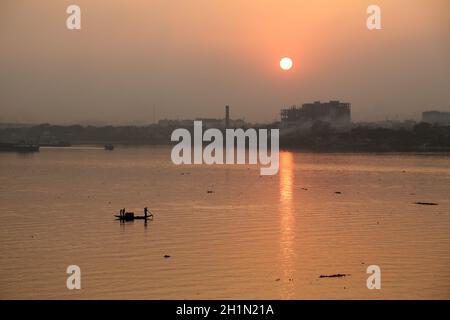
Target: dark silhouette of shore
point(320, 137)
point(422, 137)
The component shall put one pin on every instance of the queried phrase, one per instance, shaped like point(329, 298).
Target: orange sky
point(190, 58)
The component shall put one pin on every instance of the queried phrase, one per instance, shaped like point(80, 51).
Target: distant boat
point(56, 144)
point(19, 147)
point(129, 216)
point(109, 147)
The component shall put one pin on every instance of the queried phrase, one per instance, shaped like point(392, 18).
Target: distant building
point(211, 122)
point(221, 123)
point(224, 123)
point(232, 123)
point(336, 113)
point(436, 117)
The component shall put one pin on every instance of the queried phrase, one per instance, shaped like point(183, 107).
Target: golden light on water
point(287, 221)
point(286, 178)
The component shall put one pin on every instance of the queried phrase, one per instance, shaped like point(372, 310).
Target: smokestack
point(227, 116)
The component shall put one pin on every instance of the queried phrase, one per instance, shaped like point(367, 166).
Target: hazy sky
point(189, 58)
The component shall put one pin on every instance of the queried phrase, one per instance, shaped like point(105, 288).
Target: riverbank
point(423, 137)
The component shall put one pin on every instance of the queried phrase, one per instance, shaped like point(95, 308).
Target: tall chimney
point(227, 116)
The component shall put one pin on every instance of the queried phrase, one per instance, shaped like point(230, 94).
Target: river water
point(249, 237)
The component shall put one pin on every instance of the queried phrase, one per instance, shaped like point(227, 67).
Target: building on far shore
point(436, 117)
point(336, 113)
point(219, 123)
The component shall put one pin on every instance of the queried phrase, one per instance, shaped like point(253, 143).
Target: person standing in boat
point(145, 212)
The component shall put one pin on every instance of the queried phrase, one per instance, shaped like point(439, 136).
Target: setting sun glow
point(286, 63)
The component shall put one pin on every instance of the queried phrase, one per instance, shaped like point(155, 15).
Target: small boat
point(125, 218)
point(19, 147)
point(109, 147)
point(129, 216)
point(60, 143)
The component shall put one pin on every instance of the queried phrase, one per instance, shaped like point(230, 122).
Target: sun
point(286, 63)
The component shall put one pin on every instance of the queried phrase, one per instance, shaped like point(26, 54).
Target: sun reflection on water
point(287, 223)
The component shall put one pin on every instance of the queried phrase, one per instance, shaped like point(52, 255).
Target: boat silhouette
point(129, 216)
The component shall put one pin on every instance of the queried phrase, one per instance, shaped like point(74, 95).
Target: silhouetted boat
point(19, 147)
point(56, 144)
point(109, 147)
point(125, 218)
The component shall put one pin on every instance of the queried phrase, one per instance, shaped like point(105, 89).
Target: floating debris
point(426, 203)
point(210, 191)
point(278, 279)
point(338, 192)
point(166, 256)
point(338, 275)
